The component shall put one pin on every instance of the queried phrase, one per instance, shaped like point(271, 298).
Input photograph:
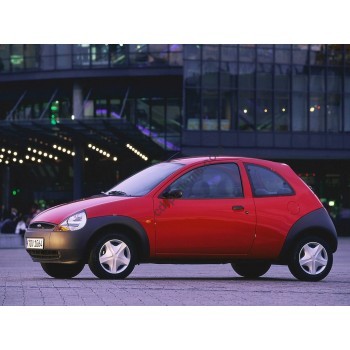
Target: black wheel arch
point(120, 224)
point(317, 223)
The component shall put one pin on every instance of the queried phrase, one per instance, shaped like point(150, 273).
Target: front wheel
point(112, 257)
point(251, 269)
point(62, 270)
point(311, 259)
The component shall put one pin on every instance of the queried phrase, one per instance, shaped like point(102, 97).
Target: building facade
point(143, 103)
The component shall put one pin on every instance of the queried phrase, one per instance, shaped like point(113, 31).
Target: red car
point(248, 212)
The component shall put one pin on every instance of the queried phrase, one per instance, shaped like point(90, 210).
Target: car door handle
point(237, 208)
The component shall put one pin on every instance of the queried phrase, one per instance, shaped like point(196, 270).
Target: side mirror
point(175, 193)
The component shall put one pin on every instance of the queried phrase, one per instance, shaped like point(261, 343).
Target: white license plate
point(35, 243)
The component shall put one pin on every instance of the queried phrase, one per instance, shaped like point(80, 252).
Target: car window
point(265, 182)
point(146, 180)
point(210, 181)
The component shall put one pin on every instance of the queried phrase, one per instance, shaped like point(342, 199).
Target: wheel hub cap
point(313, 258)
point(114, 256)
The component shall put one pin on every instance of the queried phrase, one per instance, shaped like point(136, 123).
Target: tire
point(251, 269)
point(62, 270)
point(311, 259)
point(112, 257)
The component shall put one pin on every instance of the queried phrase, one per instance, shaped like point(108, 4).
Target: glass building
point(143, 103)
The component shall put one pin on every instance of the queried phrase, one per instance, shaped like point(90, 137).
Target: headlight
point(73, 223)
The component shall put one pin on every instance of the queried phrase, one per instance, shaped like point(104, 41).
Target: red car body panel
point(209, 228)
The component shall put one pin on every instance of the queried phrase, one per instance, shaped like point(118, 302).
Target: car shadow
point(199, 279)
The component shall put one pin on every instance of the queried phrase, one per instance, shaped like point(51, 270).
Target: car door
point(212, 217)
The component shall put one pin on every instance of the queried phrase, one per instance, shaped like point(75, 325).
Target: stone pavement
point(22, 282)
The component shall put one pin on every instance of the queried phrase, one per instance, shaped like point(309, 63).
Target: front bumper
point(64, 247)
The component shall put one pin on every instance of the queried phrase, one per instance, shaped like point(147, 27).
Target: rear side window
point(266, 183)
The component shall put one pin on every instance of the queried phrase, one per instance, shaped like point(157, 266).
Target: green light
point(54, 108)
point(14, 192)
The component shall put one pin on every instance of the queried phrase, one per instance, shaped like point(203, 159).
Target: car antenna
point(172, 156)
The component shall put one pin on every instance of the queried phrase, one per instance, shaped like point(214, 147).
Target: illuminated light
point(33, 159)
point(54, 146)
point(9, 151)
point(245, 111)
point(283, 109)
point(146, 158)
point(29, 149)
point(1, 156)
point(56, 158)
point(34, 150)
point(0, 160)
point(97, 149)
point(104, 153)
point(6, 162)
point(73, 117)
point(59, 148)
point(2, 149)
point(89, 145)
point(68, 151)
point(93, 147)
point(73, 153)
point(128, 145)
point(318, 107)
point(331, 203)
point(101, 151)
point(27, 157)
point(86, 159)
point(21, 161)
point(40, 152)
point(108, 155)
point(265, 110)
point(50, 156)
point(45, 154)
point(15, 153)
point(115, 159)
point(312, 109)
point(39, 160)
point(64, 150)
point(14, 159)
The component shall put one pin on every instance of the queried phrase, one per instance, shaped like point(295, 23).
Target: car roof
point(203, 159)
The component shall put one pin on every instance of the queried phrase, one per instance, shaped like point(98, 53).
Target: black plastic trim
point(98, 224)
point(317, 221)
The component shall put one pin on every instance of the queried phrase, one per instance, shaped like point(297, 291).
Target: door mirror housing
point(175, 193)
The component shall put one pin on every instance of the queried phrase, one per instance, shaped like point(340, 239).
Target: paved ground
point(22, 282)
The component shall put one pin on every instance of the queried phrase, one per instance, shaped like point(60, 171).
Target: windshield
point(146, 180)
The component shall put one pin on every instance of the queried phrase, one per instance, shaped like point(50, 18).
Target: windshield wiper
point(115, 193)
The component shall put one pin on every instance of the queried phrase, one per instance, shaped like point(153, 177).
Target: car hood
point(92, 206)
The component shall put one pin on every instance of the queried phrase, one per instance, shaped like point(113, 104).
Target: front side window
point(211, 181)
point(267, 183)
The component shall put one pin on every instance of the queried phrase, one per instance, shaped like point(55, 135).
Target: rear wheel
point(112, 257)
point(311, 259)
point(251, 269)
point(62, 270)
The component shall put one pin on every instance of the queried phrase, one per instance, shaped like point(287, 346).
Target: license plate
point(35, 243)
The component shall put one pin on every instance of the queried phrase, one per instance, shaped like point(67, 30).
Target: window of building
point(246, 110)
point(282, 111)
point(299, 111)
point(264, 111)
